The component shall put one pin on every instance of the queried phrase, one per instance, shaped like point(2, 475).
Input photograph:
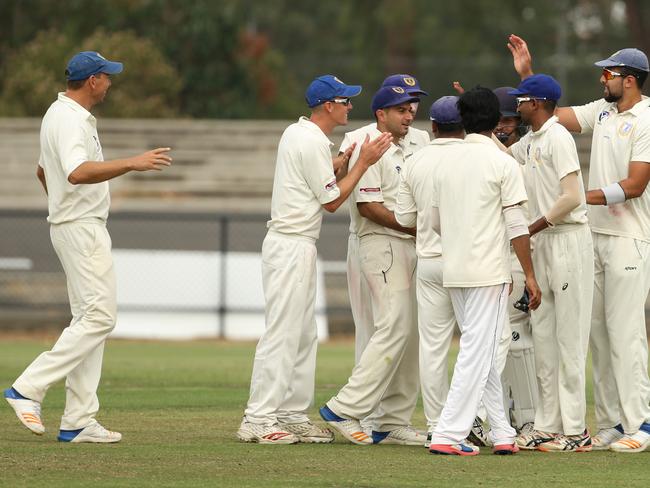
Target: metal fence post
point(223, 278)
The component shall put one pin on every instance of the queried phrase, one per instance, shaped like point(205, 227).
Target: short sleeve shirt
point(304, 180)
point(69, 138)
point(414, 200)
point(380, 183)
point(547, 156)
point(470, 190)
point(618, 138)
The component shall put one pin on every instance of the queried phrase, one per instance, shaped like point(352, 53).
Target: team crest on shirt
point(330, 185)
point(409, 81)
point(625, 129)
point(538, 155)
point(398, 89)
point(603, 115)
point(398, 169)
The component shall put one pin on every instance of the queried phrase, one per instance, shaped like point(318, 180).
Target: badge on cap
point(398, 89)
point(409, 81)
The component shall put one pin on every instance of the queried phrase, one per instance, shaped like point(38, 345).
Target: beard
point(612, 98)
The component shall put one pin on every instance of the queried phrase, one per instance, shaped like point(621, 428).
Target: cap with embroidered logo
point(408, 82)
point(390, 96)
point(328, 87)
point(87, 63)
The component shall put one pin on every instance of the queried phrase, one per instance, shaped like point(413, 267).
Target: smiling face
point(340, 108)
point(395, 120)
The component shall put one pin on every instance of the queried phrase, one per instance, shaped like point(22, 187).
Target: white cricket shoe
point(606, 437)
point(265, 433)
point(403, 436)
point(309, 432)
point(28, 411)
point(348, 428)
point(533, 440)
point(94, 433)
point(527, 428)
point(568, 443)
point(478, 435)
point(637, 442)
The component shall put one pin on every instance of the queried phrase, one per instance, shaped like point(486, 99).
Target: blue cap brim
point(112, 68)
point(607, 63)
point(417, 93)
point(407, 98)
point(351, 91)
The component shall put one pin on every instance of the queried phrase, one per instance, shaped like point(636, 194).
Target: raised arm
point(90, 172)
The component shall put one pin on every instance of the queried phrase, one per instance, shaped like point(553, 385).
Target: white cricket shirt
point(547, 156)
point(618, 138)
point(68, 139)
point(304, 180)
point(470, 189)
point(380, 183)
point(414, 200)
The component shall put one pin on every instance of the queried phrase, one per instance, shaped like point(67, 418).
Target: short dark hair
point(76, 84)
point(449, 128)
point(479, 110)
point(549, 105)
point(639, 75)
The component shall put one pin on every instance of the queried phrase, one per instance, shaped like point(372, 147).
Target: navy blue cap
point(390, 96)
point(507, 102)
point(445, 110)
point(87, 63)
point(628, 57)
point(328, 87)
point(408, 82)
point(539, 86)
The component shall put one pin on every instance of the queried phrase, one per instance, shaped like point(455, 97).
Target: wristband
point(613, 194)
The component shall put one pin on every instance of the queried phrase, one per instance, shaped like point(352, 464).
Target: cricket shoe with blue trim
point(637, 442)
point(94, 433)
point(606, 437)
point(348, 428)
point(403, 436)
point(454, 449)
point(28, 411)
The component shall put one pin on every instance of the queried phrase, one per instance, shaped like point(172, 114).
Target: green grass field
point(178, 406)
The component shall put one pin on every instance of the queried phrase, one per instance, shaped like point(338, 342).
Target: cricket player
point(357, 286)
point(619, 215)
point(563, 261)
point(282, 383)
point(476, 209)
point(387, 372)
point(436, 320)
point(75, 177)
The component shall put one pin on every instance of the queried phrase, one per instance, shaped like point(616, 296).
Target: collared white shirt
point(68, 139)
point(470, 189)
point(304, 180)
point(547, 156)
point(380, 183)
point(618, 138)
point(414, 200)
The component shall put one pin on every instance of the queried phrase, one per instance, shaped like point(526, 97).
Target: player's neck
point(326, 124)
point(81, 97)
point(539, 120)
point(628, 100)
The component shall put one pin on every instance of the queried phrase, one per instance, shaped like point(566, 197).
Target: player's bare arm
point(379, 214)
point(568, 200)
point(341, 162)
point(40, 174)
point(371, 152)
point(523, 63)
point(631, 187)
point(97, 171)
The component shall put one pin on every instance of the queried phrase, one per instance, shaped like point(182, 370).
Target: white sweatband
point(613, 193)
point(515, 222)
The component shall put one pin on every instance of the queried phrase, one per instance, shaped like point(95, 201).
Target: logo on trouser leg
point(565, 286)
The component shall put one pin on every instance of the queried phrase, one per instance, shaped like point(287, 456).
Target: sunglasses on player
point(521, 100)
point(342, 101)
point(609, 75)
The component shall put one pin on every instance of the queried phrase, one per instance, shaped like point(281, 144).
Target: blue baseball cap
point(328, 87)
point(539, 86)
point(507, 102)
point(87, 63)
point(628, 57)
point(390, 96)
point(408, 82)
point(445, 110)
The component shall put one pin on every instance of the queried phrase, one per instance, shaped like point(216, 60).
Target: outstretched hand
point(458, 87)
point(156, 159)
point(520, 56)
point(372, 151)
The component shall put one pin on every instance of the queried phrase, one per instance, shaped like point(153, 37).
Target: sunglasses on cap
point(521, 100)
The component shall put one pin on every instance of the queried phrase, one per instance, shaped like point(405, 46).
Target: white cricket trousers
point(619, 344)
point(480, 313)
point(360, 303)
point(387, 371)
point(436, 322)
point(563, 261)
point(84, 249)
point(282, 384)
